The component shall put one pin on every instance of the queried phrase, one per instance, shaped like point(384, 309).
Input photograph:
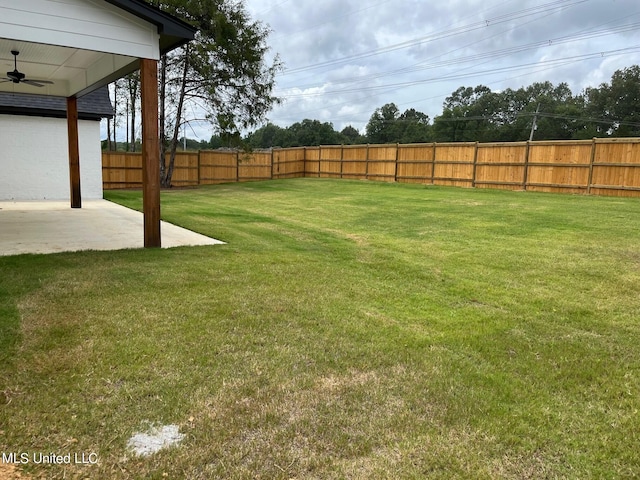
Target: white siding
point(88, 24)
point(34, 164)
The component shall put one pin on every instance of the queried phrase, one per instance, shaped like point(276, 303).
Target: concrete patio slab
point(52, 227)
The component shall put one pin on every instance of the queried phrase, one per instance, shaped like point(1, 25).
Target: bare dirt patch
point(11, 472)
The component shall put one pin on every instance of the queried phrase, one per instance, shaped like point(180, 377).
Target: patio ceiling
point(73, 71)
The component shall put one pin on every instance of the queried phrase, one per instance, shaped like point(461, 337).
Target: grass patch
point(347, 330)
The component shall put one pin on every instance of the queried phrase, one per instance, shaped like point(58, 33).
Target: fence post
point(395, 172)
point(272, 163)
point(525, 175)
point(304, 162)
point(237, 166)
point(366, 164)
point(591, 160)
point(199, 152)
point(475, 166)
point(433, 163)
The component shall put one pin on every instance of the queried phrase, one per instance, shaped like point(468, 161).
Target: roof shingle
point(93, 106)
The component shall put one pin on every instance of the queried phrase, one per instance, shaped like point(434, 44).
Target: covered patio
point(90, 44)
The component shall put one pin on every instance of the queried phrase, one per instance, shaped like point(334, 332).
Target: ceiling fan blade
point(37, 83)
point(33, 83)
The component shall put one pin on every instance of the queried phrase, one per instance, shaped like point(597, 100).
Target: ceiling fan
point(19, 77)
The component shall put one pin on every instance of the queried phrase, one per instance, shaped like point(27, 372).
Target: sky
point(345, 58)
point(342, 59)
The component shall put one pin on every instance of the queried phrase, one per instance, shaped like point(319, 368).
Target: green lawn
point(347, 330)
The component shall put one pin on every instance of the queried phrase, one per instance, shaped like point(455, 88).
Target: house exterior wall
point(34, 163)
point(92, 24)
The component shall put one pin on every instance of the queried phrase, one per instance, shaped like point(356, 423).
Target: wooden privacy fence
point(597, 167)
point(124, 169)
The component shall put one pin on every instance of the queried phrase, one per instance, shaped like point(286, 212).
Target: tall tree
point(133, 86)
point(619, 102)
point(269, 135)
point(469, 114)
point(413, 127)
point(388, 125)
point(352, 136)
point(382, 124)
point(223, 74)
point(478, 114)
point(313, 132)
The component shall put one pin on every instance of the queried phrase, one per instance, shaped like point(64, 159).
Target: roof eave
point(46, 113)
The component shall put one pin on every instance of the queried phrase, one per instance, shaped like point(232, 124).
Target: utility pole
point(534, 125)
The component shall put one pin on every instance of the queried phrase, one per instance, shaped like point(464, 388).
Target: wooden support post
point(74, 152)
point(150, 153)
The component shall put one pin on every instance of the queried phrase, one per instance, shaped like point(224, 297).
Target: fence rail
point(596, 167)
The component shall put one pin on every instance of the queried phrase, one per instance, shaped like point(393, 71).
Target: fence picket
point(597, 166)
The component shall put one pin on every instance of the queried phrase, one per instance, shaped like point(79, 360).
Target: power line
point(554, 62)
point(360, 99)
point(350, 117)
point(311, 27)
point(272, 8)
point(557, 5)
point(581, 36)
point(537, 114)
point(329, 90)
point(492, 55)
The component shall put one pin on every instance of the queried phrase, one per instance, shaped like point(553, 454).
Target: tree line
point(541, 111)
